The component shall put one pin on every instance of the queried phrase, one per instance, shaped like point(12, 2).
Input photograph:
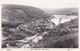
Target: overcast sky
point(53, 4)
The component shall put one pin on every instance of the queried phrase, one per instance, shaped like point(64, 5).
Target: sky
point(53, 4)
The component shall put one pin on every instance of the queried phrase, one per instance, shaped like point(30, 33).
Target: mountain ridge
point(62, 11)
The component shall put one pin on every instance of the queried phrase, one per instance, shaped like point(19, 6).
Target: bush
point(4, 45)
point(12, 43)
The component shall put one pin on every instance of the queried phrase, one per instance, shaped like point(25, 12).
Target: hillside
point(64, 35)
point(19, 22)
point(22, 13)
point(30, 27)
point(63, 11)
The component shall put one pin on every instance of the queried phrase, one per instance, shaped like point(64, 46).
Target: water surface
point(64, 18)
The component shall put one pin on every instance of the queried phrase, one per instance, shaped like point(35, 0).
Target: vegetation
point(23, 13)
point(61, 37)
point(20, 22)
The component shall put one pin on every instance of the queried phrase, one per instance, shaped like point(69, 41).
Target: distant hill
point(22, 13)
point(63, 11)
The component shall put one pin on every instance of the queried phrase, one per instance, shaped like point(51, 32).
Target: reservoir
point(64, 18)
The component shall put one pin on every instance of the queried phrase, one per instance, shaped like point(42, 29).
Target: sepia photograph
point(40, 25)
